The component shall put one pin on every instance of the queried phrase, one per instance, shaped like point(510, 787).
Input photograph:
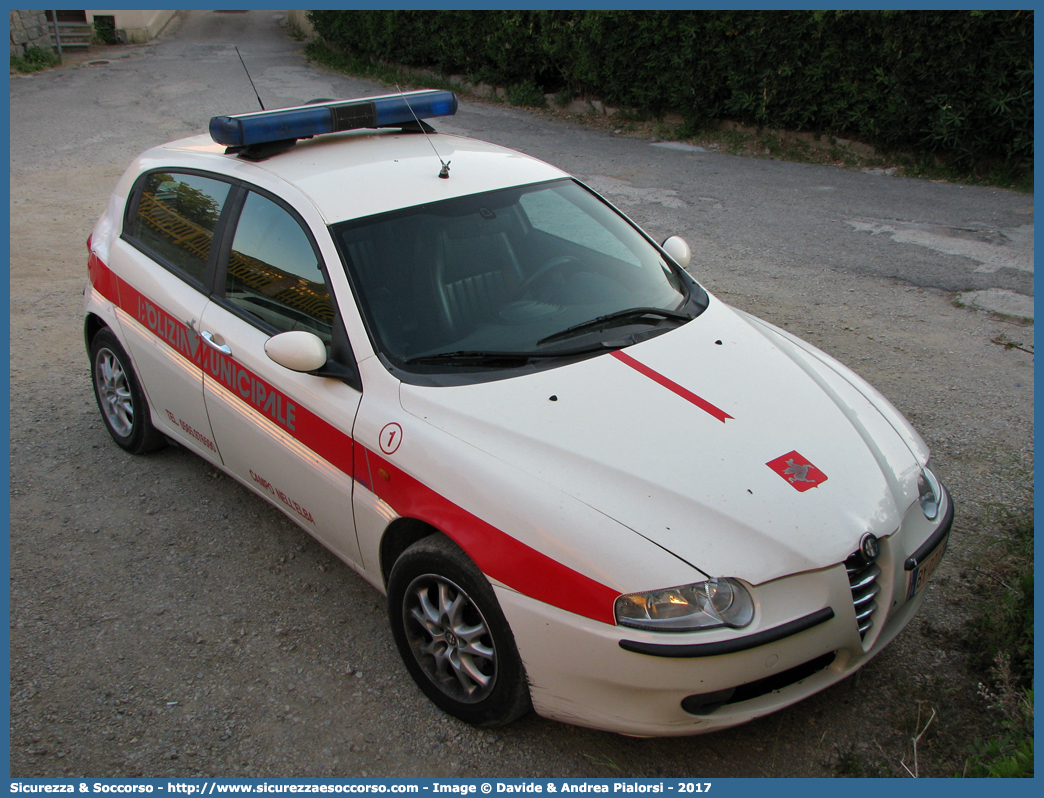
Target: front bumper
point(803, 639)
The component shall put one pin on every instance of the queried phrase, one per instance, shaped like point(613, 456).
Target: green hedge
point(953, 83)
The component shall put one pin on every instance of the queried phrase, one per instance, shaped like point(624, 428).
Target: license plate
point(920, 575)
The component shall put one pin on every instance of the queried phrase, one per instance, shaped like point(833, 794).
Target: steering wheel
point(560, 262)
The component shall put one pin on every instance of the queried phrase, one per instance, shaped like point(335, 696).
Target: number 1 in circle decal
point(391, 437)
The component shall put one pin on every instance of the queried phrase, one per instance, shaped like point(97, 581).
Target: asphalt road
point(165, 622)
point(934, 235)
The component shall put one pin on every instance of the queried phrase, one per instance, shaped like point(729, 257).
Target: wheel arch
point(92, 325)
point(399, 536)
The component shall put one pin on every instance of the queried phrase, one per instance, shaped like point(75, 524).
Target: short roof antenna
point(444, 174)
point(250, 79)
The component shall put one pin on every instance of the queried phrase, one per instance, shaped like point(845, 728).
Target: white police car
point(585, 484)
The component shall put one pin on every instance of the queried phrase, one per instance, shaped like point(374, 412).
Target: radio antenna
point(444, 174)
point(250, 79)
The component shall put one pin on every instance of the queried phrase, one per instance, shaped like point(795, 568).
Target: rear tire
point(453, 637)
point(120, 398)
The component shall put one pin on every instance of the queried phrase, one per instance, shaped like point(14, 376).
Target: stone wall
point(30, 29)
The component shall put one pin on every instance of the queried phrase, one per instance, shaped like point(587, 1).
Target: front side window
point(273, 271)
point(175, 219)
point(515, 276)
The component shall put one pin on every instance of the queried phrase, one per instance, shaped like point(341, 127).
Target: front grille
point(862, 576)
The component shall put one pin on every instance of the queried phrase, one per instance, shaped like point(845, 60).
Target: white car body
point(570, 486)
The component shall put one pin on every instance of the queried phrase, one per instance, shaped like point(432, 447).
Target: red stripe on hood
point(670, 385)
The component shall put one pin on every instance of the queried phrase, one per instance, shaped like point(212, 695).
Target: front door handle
point(208, 339)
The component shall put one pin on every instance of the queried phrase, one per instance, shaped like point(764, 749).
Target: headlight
point(716, 602)
point(929, 494)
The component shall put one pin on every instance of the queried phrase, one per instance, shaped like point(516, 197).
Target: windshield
point(493, 280)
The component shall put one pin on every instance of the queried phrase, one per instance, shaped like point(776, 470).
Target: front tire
point(453, 637)
point(120, 398)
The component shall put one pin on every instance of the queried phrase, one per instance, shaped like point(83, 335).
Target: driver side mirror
point(297, 350)
point(679, 251)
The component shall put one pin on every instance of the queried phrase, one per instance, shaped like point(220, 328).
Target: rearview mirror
point(679, 251)
point(297, 350)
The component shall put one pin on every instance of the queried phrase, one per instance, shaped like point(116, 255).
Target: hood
point(689, 439)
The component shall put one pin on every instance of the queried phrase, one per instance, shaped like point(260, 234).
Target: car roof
point(363, 173)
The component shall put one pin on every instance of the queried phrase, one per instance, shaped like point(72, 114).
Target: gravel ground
point(165, 622)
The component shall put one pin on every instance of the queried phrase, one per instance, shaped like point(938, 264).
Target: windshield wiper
point(505, 359)
point(616, 319)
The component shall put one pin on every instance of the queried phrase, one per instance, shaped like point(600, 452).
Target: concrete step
point(75, 35)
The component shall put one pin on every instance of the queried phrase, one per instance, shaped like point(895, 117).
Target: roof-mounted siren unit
point(265, 133)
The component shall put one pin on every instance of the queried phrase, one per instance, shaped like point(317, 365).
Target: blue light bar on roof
point(305, 121)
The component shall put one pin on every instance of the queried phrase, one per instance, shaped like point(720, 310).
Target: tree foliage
point(958, 84)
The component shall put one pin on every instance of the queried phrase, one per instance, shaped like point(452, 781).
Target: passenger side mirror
point(679, 251)
point(297, 350)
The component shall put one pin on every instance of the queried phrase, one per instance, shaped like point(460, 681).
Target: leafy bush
point(1011, 754)
point(526, 93)
point(1001, 640)
point(34, 60)
point(1003, 630)
point(105, 29)
point(954, 84)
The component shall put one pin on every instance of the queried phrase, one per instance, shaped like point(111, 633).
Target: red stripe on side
point(496, 553)
point(103, 279)
point(320, 436)
point(670, 385)
point(325, 440)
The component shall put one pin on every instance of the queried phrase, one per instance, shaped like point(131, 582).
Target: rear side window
point(176, 217)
